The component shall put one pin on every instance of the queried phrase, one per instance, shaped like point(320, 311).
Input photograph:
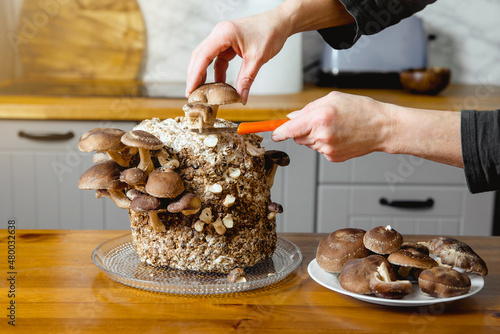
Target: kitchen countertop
point(128, 106)
point(58, 289)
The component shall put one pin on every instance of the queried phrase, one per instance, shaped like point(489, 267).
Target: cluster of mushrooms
point(125, 171)
point(379, 262)
point(133, 184)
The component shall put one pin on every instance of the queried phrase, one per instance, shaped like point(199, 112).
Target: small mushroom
point(339, 246)
point(229, 201)
point(409, 258)
point(150, 205)
point(237, 275)
point(273, 159)
point(443, 282)
point(104, 140)
point(199, 115)
point(274, 208)
point(134, 176)
point(217, 93)
point(106, 175)
point(188, 204)
point(458, 254)
point(383, 240)
point(164, 184)
point(383, 286)
point(144, 141)
point(133, 193)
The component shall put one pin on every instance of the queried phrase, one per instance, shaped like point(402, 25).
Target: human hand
point(339, 126)
point(256, 39)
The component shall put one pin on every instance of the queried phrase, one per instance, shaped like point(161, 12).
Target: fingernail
point(244, 96)
point(276, 137)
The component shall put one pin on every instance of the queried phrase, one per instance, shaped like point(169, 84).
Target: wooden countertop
point(59, 290)
point(127, 107)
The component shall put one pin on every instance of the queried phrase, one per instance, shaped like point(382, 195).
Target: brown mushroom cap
point(164, 184)
point(339, 246)
point(383, 240)
point(443, 282)
point(275, 207)
point(141, 139)
point(458, 254)
point(145, 203)
point(416, 246)
point(356, 274)
point(410, 258)
point(237, 275)
point(275, 157)
point(217, 93)
point(105, 175)
point(101, 139)
point(188, 204)
point(382, 285)
point(133, 176)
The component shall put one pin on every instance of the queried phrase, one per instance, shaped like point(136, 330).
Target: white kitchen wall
point(468, 37)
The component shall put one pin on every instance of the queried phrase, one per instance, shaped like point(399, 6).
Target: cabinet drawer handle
point(46, 136)
point(427, 204)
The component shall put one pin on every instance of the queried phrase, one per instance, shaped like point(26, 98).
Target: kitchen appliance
point(375, 61)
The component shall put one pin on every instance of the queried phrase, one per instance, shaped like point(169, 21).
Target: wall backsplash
point(467, 37)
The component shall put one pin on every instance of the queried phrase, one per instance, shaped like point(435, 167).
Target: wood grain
point(126, 107)
point(60, 290)
point(81, 39)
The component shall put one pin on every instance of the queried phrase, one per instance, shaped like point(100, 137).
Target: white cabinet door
point(40, 176)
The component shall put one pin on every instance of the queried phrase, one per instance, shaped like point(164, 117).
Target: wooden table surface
point(58, 289)
point(53, 102)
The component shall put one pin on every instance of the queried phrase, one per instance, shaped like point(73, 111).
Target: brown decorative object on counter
point(428, 81)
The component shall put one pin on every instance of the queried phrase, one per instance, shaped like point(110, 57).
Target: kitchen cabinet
point(413, 195)
point(40, 166)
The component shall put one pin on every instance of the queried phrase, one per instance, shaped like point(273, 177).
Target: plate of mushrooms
point(377, 266)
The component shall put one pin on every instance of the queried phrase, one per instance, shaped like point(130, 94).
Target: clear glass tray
point(118, 259)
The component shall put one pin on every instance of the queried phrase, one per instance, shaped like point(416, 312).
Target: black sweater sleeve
point(371, 17)
point(480, 133)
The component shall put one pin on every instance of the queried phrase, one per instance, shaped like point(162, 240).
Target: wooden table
point(59, 290)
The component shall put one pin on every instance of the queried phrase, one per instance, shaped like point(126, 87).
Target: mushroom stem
point(119, 198)
point(146, 164)
point(116, 156)
point(270, 175)
point(155, 222)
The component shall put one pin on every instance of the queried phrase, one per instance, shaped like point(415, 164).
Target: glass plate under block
point(118, 259)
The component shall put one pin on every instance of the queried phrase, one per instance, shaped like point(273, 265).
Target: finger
point(295, 128)
point(246, 77)
point(222, 63)
point(201, 58)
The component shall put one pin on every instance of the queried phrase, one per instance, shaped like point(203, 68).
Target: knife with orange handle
point(245, 128)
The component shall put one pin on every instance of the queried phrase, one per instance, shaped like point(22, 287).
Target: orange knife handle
point(263, 126)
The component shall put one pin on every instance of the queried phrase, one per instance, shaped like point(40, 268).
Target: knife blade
point(245, 128)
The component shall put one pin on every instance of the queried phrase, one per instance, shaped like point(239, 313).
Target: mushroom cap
point(415, 246)
point(237, 275)
point(411, 258)
point(458, 254)
point(164, 184)
point(133, 176)
point(141, 139)
point(105, 175)
point(443, 282)
point(383, 287)
point(275, 207)
point(187, 203)
point(275, 157)
point(101, 139)
point(339, 246)
point(383, 240)
point(145, 203)
point(356, 274)
point(217, 93)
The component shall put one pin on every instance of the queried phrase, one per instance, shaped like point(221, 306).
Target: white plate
point(415, 298)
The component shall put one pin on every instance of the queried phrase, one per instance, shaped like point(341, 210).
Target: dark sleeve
point(480, 132)
point(371, 17)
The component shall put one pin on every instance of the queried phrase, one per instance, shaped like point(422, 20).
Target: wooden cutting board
point(81, 39)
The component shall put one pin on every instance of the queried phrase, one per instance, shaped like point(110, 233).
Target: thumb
point(296, 127)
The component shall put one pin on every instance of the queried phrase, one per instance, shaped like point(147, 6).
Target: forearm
point(305, 15)
point(429, 134)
